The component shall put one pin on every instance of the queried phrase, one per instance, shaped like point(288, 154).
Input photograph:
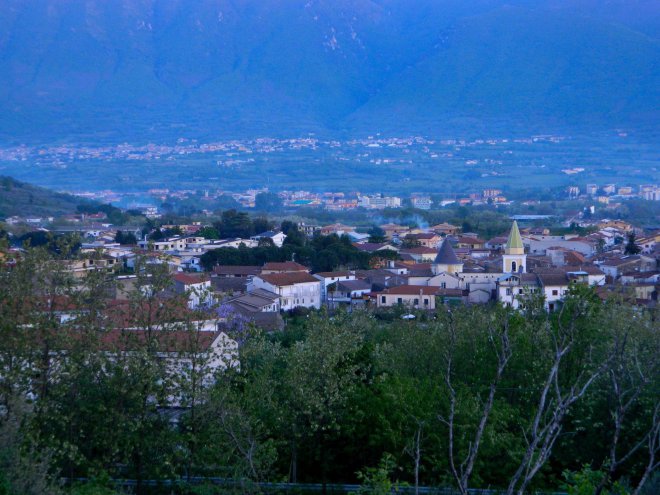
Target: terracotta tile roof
point(553, 279)
point(290, 278)
point(190, 279)
point(239, 270)
point(429, 235)
point(418, 250)
point(411, 290)
point(370, 247)
point(285, 266)
point(333, 274)
point(351, 285)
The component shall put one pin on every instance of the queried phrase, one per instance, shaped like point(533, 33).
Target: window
point(555, 292)
point(416, 302)
point(443, 285)
point(399, 300)
point(508, 291)
point(426, 301)
point(520, 291)
point(382, 299)
point(513, 266)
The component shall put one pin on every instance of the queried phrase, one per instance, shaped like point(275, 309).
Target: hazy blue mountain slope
point(20, 198)
point(518, 62)
point(107, 64)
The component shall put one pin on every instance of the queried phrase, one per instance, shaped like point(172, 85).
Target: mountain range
point(240, 66)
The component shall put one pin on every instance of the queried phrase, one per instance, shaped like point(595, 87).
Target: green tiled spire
point(515, 243)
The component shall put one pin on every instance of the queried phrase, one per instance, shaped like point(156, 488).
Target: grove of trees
point(467, 397)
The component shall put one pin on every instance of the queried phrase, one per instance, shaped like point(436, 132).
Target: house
point(80, 267)
point(259, 300)
point(196, 287)
point(296, 289)
point(380, 278)
point(469, 242)
point(351, 292)
point(276, 237)
point(640, 277)
point(561, 256)
point(328, 278)
point(169, 244)
point(554, 288)
point(594, 275)
point(336, 228)
point(513, 288)
point(445, 229)
point(496, 243)
point(540, 243)
point(372, 247)
point(616, 224)
point(224, 287)
point(412, 296)
point(429, 240)
point(238, 271)
point(421, 254)
point(358, 237)
point(212, 351)
point(233, 243)
point(647, 243)
point(393, 230)
point(615, 266)
point(283, 267)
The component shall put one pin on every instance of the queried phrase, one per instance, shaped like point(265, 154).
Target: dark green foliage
point(329, 397)
point(267, 202)
point(235, 224)
point(261, 224)
point(376, 234)
point(22, 199)
point(209, 233)
point(159, 234)
point(125, 238)
point(631, 245)
point(322, 253)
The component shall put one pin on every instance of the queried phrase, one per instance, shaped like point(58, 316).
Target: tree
point(235, 224)
point(262, 224)
point(208, 232)
point(376, 234)
point(125, 238)
point(294, 237)
point(267, 202)
point(631, 245)
point(317, 384)
point(493, 339)
point(630, 387)
point(565, 339)
point(410, 243)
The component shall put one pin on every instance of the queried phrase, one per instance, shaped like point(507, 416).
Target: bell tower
point(514, 259)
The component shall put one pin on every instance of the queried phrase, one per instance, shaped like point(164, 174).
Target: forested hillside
point(20, 198)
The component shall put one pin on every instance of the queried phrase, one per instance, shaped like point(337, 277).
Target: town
point(429, 165)
point(387, 266)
